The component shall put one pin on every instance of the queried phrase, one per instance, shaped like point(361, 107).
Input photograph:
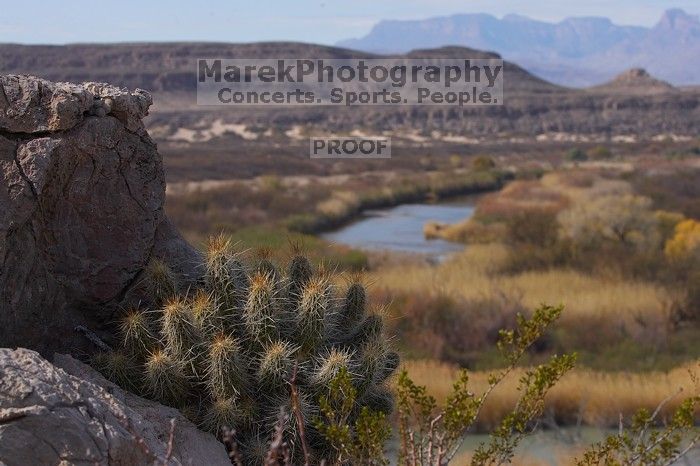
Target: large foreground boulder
point(81, 209)
point(71, 415)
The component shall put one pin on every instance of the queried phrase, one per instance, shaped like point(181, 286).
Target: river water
point(400, 228)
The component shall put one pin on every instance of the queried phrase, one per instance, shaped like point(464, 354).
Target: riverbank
point(345, 207)
point(311, 204)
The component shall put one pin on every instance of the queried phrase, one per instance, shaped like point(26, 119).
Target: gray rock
point(81, 209)
point(71, 415)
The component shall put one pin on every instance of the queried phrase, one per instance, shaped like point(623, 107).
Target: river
point(400, 228)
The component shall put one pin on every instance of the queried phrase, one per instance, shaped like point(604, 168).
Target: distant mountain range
point(574, 52)
point(634, 105)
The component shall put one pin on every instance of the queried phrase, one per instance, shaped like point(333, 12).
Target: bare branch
point(297, 414)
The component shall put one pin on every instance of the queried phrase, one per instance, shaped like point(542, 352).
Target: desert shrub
point(432, 436)
point(624, 219)
point(536, 226)
point(517, 197)
point(692, 303)
point(685, 243)
point(676, 190)
point(473, 231)
point(532, 172)
point(666, 222)
point(427, 162)
point(600, 153)
point(642, 444)
point(456, 161)
point(441, 327)
point(592, 397)
point(483, 162)
point(473, 182)
point(303, 223)
point(341, 204)
point(576, 155)
point(576, 178)
point(271, 183)
point(524, 257)
point(251, 341)
point(360, 443)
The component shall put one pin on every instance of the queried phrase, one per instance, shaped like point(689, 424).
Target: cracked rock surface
point(71, 415)
point(81, 209)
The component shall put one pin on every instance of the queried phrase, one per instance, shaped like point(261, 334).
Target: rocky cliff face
point(81, 209)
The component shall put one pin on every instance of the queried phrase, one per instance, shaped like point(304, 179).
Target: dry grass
point(587, 296)
point(599, 398)
point(473, 275)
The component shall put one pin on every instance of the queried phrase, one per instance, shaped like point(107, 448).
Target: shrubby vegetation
point(590, 223)
point(308, 205)
point(625, 265)
point(342, 206)
point(301, 374)
point(576, 155)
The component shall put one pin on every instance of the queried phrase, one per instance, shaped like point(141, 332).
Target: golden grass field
point(473, 274)
point(597, 398)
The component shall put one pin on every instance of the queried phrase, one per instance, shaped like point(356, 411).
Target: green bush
point(600, 153)
point(483, 163)
point(576, 155)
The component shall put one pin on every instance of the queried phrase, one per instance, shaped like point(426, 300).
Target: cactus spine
point(225, 352)
point(165, 378)
point(225, 371)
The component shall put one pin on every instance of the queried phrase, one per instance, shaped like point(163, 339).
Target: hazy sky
point(321, 21)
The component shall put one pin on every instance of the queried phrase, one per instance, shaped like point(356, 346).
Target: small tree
point(600, 153)
point(625, 219)
point(576, 155)
point(483, 163)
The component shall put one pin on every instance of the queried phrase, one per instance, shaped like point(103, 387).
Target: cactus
point(329, 365)
point(204, 312)
point(226, 351)
point(222, 412)
point(179, 330)
point(137, 335)
point(225, 371)
point(299, 272)
point(118, 367)
point(160, 282)
point(262, 309)
point(313, 313)
point(164, 378)
point(225, 276)
point(354, 305)
point(276, 365)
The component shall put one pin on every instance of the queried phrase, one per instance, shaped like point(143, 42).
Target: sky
point(318, 21)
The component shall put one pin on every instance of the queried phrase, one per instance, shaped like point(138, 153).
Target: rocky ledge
point(69, 414)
